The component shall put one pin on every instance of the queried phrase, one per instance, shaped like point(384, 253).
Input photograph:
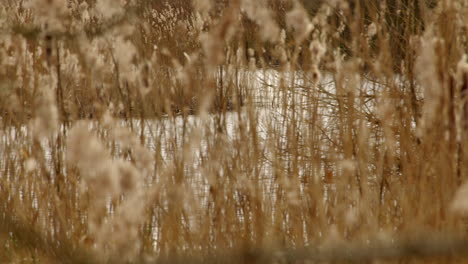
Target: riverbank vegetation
point(138, 131)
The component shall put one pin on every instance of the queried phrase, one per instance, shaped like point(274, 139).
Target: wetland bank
point(143, 131)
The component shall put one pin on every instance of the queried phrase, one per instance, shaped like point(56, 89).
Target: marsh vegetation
point(141, 131)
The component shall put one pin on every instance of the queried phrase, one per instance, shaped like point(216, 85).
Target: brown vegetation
point(143, 131)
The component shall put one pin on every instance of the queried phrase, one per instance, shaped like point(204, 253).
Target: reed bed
point(266, 131)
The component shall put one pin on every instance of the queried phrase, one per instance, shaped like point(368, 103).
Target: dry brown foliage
point(249, 131)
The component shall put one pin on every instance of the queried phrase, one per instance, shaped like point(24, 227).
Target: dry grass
point(141, 131)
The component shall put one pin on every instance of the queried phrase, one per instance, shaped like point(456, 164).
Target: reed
point(146, 131)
